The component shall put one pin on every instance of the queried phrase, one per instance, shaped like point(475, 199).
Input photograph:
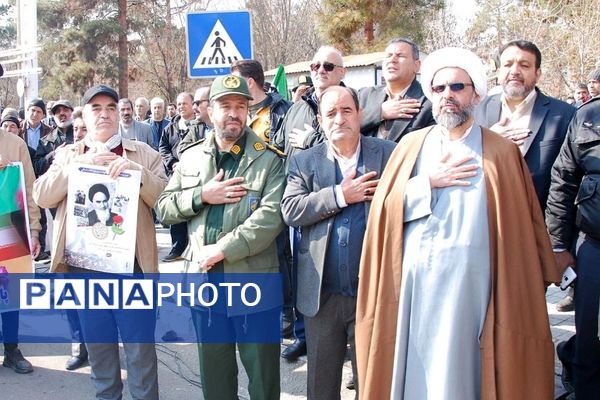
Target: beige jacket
point(50, 190)
point(13, 148)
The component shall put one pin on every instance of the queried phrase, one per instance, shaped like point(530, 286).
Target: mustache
point(450, 101)
point(233, 119)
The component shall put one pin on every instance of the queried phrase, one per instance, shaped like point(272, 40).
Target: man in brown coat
point(451, 290)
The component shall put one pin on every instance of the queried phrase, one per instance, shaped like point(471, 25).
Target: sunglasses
point(454, 87)
point(327, 66)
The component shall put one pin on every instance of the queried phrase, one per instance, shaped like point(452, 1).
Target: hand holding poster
point(101, 219)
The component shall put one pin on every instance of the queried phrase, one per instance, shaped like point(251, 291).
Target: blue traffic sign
point(215, 40)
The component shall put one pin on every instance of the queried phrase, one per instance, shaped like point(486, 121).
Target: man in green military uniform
point(228, 188)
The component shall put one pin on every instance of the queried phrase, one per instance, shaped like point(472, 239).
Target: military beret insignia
point(231, 82)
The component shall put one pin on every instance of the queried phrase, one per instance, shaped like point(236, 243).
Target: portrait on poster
point(101, 219)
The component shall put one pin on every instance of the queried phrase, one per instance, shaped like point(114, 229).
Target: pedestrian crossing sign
point(215, 40)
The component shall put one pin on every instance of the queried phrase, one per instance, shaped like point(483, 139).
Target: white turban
point(454, 57)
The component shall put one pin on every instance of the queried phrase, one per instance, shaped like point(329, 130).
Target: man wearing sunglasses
point(451, 296)
point(300, 130)
point(202, 126)
point(398, 107)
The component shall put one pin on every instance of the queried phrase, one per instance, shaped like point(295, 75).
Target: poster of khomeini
point(101, 219)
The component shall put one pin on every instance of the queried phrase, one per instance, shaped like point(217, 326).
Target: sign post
point(215, 40)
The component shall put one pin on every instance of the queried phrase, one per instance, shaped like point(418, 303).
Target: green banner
point(9, 189)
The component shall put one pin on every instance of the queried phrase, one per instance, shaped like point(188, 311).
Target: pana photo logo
point(46, 294)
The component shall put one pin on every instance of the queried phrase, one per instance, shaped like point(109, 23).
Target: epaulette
point(276, 150)
point(189, 146)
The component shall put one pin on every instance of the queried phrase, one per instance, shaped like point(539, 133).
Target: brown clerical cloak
point(517, 353)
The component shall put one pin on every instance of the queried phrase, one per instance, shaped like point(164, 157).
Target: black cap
point(37, 103)
point(61, 103)
point(100, 89)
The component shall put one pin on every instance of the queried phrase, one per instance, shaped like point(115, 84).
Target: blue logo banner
point(183, 308)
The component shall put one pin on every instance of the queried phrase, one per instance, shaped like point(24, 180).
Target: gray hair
point(143, 99)
point(331, 49)
point(157, 100)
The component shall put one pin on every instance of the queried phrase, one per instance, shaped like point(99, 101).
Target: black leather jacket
point(172, 136)
point(574, 199)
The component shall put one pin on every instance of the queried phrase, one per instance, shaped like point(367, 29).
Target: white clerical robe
point(445, 278)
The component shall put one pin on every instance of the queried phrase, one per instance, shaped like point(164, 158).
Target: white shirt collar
point(348, 164)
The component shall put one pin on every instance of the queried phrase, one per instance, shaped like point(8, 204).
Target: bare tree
point(566, 31)
point(442, 31)
point(282, 32)
point(158, 61)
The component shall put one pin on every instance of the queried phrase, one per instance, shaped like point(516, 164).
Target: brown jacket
point(44, 130)
point(13, 148)
point(50, 190)
point(516, 345)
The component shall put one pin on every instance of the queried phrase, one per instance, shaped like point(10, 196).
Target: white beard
point(103, 215)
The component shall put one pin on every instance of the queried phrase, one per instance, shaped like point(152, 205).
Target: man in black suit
point(522, 113)
point(392, 110)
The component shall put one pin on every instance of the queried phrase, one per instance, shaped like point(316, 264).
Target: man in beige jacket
point(104, 146)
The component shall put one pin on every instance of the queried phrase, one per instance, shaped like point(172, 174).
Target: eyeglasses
point(454, 87)
point(327, 66)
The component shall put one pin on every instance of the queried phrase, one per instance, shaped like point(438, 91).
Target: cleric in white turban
point(455, 258)
point(454, 57)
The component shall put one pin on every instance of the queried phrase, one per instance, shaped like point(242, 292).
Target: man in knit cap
point(451, 289)
point(10, 121)
point(594, 83)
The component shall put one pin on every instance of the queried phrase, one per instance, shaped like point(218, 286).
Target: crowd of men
point(416, 224)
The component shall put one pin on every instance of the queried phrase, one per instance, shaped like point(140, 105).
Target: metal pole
point(27, 39)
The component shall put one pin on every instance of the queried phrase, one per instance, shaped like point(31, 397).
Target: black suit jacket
point(549, 122)
point(370, 100)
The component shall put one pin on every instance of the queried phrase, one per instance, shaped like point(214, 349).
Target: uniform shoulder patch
point(258, 146)
point(235, 149)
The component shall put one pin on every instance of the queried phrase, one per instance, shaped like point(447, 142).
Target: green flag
point(280, 82)
point(10, 181)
